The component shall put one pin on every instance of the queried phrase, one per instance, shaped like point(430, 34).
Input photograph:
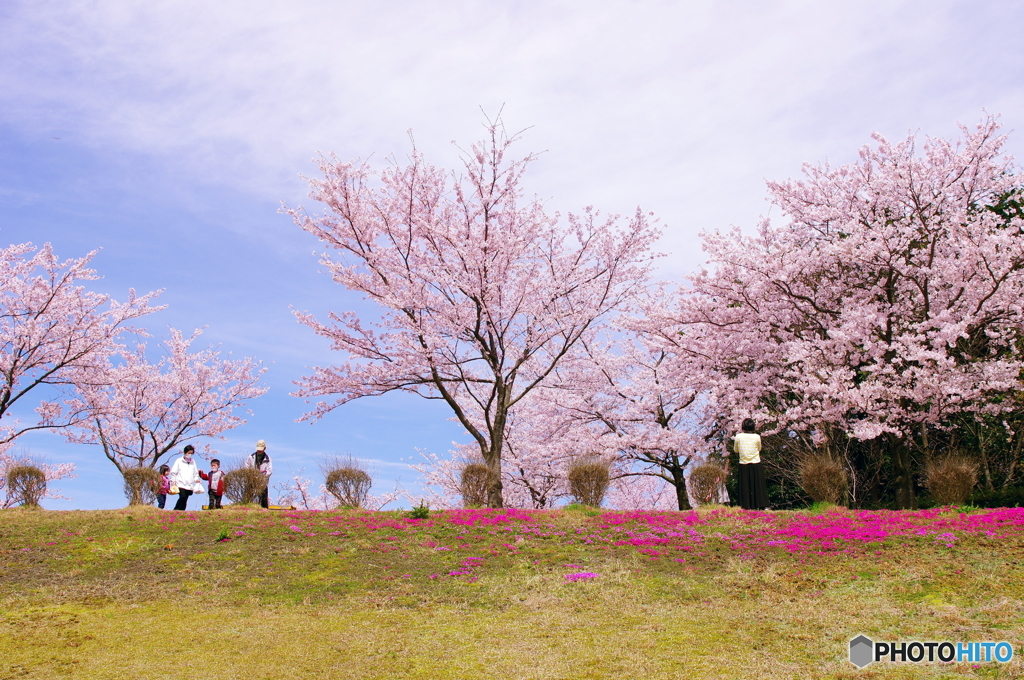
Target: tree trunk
point(494, 485)
point(985, 467)
point(1017, 441)
point(679, 481)
point(901, 461)
point(877, 464)
point(497, 443)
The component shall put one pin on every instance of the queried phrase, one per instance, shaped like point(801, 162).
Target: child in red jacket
point(216, 480)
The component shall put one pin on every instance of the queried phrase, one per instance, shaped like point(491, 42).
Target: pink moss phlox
point(489, 516)
point(831, 532)
point(580, 576)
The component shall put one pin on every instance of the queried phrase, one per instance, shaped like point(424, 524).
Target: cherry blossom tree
point(139, 411)
point(482, 293)
point(642, 492)
point(299, 491)
point(540, 444)
point(53, 333)
point(612, 400)
point(439, 480)
point(891, 300)
point(616, 396)
point(638, 402)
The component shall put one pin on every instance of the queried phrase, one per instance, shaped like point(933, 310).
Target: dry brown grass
point(26, 484)
point(704, 481)
point(474, 481)
point(244, 485)
point(620, 628)
point(950, 479)
point(588, 481)
point(347, 481)
point(141, 485)
point(823, 478)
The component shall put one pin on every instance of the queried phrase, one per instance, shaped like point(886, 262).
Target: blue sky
point(169, 134)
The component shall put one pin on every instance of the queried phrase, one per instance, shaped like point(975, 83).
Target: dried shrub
point(588, 481)
point(474, 482)
point(951, 479)
point(704, 482)
point(347, 481)
point(823, 478)
point(244, 485)
point(141, 485)
point(26, 484)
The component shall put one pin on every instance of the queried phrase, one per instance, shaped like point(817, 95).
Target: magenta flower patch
point(580, 576)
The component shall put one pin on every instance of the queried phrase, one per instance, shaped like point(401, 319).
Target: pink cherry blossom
point(138, 411)
point(482, 293)
point(53, 333)
point(889, 301)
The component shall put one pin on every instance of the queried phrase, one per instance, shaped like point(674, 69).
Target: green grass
point(133, 594)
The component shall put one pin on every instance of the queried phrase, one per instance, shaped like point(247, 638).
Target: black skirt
point(753, 488)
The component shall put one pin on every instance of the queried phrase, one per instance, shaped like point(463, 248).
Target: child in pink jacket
point(165, 486)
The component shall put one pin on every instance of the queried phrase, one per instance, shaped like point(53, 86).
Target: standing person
point(216, 480)
point(261, 461)
point(165, 486)
point(753, 488)
point(185, 476)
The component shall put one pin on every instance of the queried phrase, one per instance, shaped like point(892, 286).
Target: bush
point(704, 481)
point(421, 511)
point(141, 485)
point(588, 481)
point(244, 485)
point(824, 479)
point(347, 481)
point(951, 479)
point(26, 484)
point(473, 484)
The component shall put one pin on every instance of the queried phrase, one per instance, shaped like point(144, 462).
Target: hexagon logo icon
point(861, 651)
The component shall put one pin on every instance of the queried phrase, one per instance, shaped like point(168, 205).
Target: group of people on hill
point(184, 478)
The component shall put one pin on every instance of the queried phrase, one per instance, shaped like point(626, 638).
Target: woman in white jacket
point(185, 475)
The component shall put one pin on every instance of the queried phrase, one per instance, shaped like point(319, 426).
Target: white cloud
point(683, 107)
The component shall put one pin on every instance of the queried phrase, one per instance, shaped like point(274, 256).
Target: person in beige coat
point(261, 461)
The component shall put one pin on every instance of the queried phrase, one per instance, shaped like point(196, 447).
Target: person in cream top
point(753, 488)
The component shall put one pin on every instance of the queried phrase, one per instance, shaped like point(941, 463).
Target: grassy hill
point(141, 593)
